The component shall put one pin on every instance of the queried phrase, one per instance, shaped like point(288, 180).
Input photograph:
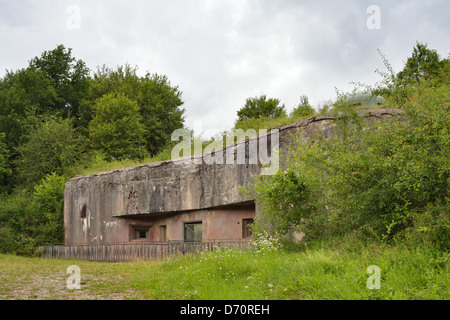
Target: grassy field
point(233, 274)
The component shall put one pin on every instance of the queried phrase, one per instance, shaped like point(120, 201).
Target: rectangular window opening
point(163, 233)
point(246, 228)
point(193, 232)
point(141, 234)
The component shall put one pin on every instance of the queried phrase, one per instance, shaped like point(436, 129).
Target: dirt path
point(55, 288)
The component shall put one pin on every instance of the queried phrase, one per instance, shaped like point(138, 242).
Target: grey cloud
point(221, 52)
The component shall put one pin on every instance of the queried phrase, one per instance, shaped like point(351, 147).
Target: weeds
point(323, 271)
point(317, 273)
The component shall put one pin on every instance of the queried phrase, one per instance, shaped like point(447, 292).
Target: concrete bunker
point(172, 201)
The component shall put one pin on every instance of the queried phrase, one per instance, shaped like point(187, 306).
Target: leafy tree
point(423, 65)
point(304, 108)
point(159, 102)
point(52, 146)
point(105, 80)
point(5, 166)
point(122, 80)
point(116, 128)
point(52, 84)
point(159, 106)
point(67, 75)
point(424, 62)
point(22, 94)
point(261, 107)
point(7, 239)
point(120, 113)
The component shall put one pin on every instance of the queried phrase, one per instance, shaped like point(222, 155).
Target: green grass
point(313, 274)
point(97, 164)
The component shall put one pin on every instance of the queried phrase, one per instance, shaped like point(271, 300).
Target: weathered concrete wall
point(100, 208)
point(111, 199)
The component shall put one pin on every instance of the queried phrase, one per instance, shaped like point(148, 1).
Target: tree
point(5, 166)
point(52, 146)
point(159, 106)
point(105, 80)
point(304, 109)
point(23, 93)
point(159, 102)
point(116, 128)
point(67, 75)
point(7, 239)
point(16, 211)
point(261, 107)
point(423, 62)
point(122, 80)
point(52, 84)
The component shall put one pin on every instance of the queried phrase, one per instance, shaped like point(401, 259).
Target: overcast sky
point(221, 52)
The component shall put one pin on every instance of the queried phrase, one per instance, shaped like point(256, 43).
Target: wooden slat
point(135, 251)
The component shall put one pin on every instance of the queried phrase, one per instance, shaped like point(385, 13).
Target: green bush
point(430, 228)
point(15, 222)
point(5, 165)
point(26, 246)
point(16, 210)
point(48, 196)
point(7, 239)
point(52, 146)
point(303, 109)
point(116, 128)
point(261, 107)
point(29, 219)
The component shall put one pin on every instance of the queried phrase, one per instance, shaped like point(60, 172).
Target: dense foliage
point(57, 119)
point(303, 109)
point(387, 181)
point(52, 146)
point(116, 127)
point(261, 107)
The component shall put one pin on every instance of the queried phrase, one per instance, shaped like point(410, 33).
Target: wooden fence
point(135, 251)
